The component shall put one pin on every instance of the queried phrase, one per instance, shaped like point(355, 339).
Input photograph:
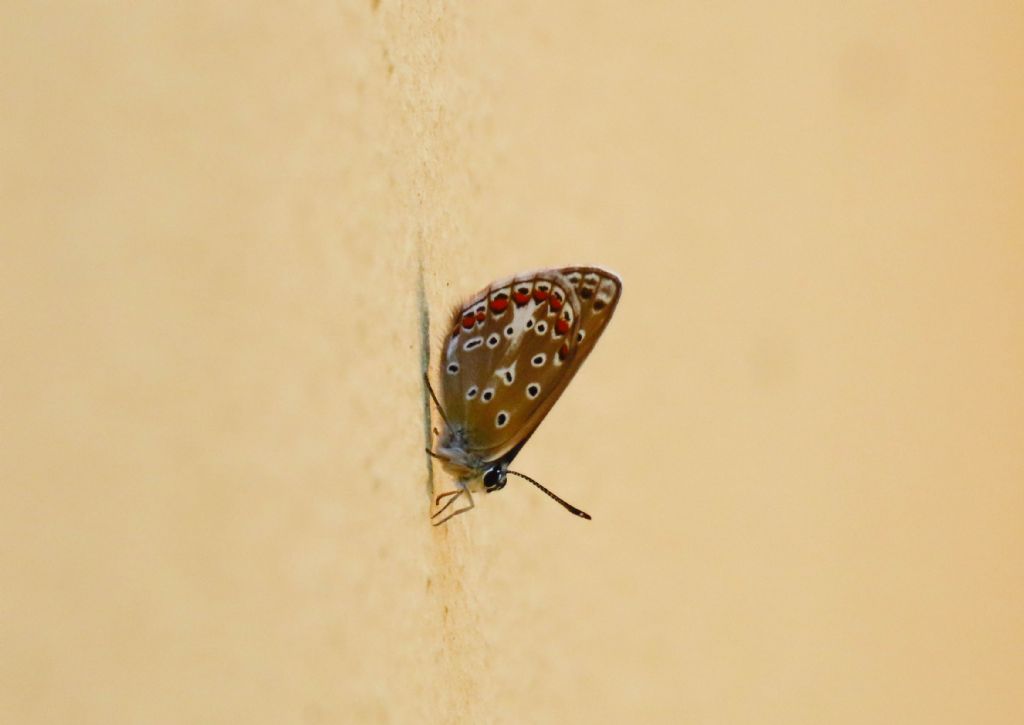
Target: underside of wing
point(510, 349)
point(514, 347)
point(598, 292)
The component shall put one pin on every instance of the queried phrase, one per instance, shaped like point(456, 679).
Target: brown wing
point(598, 291)
point(509, 349)
point(514, 348)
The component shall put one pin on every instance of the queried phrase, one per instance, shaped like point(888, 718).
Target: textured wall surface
point(230, 235)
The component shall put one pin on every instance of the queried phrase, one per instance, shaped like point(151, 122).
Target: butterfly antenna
point(426, 379)
point(568, 506)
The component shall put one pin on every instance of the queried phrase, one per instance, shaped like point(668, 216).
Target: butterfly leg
point(455, 493)
point(438, 497)
point(454, 497)
point(434, 455)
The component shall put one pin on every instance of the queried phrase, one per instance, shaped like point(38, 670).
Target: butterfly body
point(510, 352)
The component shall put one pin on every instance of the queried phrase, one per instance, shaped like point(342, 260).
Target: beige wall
point(801, 439)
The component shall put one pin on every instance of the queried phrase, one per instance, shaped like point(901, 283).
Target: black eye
point(493, 480)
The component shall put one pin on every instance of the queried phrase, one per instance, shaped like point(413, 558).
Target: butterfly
point(510, 352)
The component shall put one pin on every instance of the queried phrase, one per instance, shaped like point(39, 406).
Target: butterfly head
point(493, 475)
point(496, 477)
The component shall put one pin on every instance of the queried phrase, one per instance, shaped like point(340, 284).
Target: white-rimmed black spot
point(487, 395)
point(453, 368)
point(542, 327)
point(529, 324)
point(538, 359)
point(502, 419)
point(506, 375)
point(471, 393)
point(493, 340)
point(580, 335)
point(532, 390)
point(473, 343)
point(509, 331)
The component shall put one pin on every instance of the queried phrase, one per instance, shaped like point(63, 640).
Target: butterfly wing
point(598, 292)
point(513, 349)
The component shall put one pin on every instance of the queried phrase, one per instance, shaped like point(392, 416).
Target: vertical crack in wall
point(424, 310)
